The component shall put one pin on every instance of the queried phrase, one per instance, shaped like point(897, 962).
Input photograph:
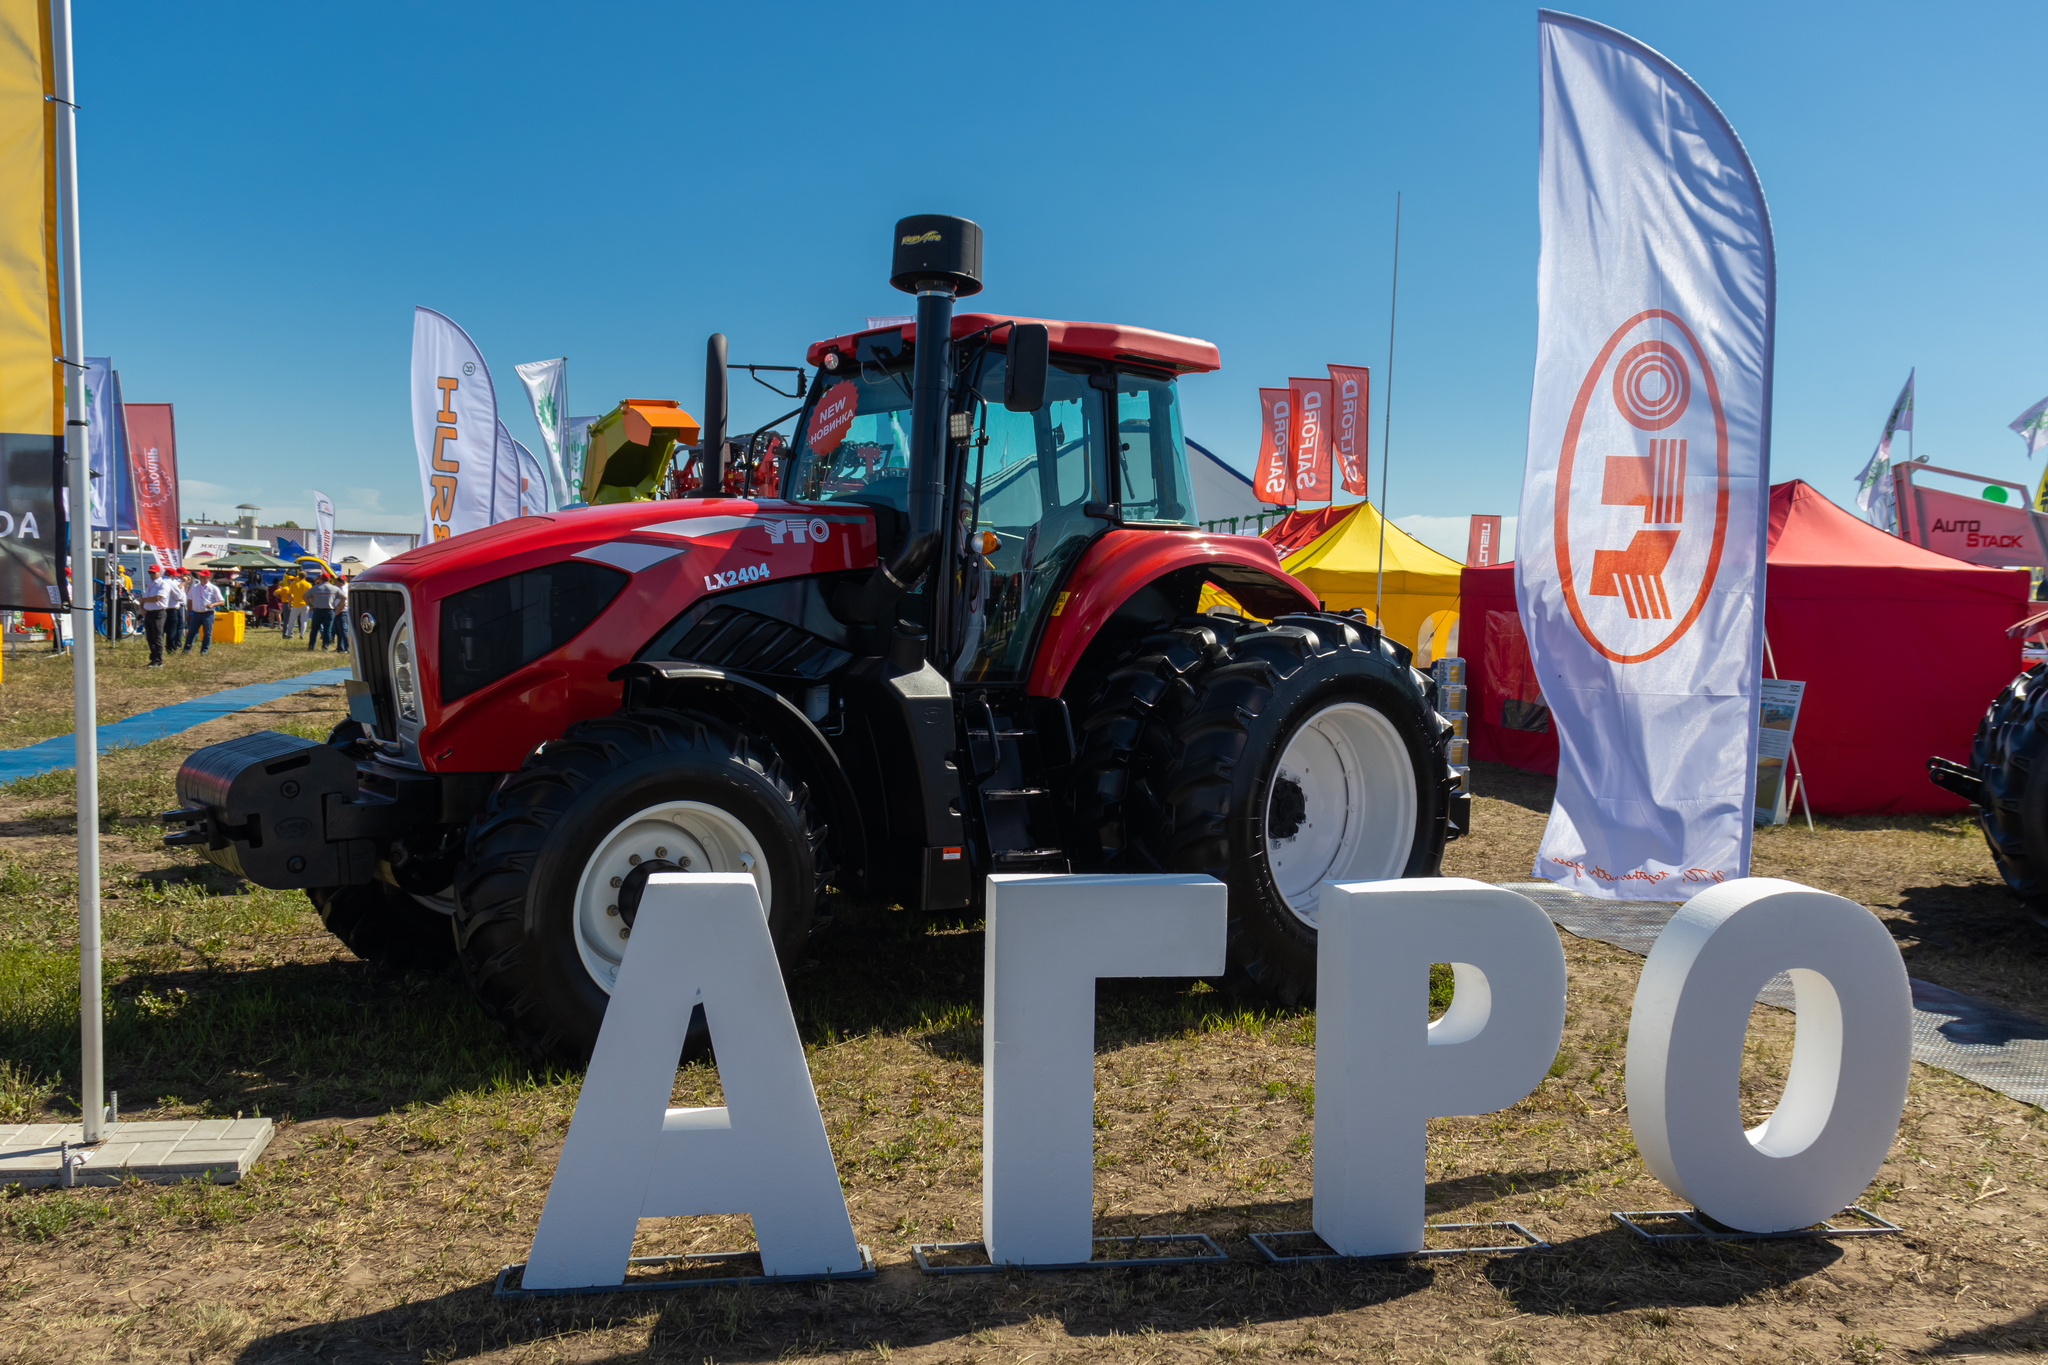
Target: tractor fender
point(1122, 563)
point(796, 738)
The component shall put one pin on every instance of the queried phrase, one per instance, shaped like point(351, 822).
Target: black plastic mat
point(1973, 1038)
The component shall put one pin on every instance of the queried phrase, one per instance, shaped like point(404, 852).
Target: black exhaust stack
point(937, 258)
point(711, 457)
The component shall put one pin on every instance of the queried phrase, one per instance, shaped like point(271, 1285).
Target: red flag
point(153, 458)
point(1351, 391)
point(1482, 544)
point(1273, 480)
point(1311, 439)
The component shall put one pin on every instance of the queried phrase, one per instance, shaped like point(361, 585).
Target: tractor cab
point(1026, 491)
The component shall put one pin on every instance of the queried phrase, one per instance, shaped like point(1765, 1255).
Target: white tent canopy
point(1220, 491)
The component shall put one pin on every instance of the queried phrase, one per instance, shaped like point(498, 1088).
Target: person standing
point(199, 607)
point(155, 601)
point(341, 615)
point(291, 602)
point(320, 599)
point(174, 610)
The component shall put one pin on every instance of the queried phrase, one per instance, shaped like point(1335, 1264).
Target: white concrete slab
point(218, 1150)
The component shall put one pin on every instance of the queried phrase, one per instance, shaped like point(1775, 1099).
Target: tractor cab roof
point(1100, 340)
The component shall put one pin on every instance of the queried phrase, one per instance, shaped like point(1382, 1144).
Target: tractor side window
point(855, 441)
point(1020, 520)
point(1152, 464)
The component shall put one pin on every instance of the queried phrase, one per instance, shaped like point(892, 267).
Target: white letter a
point(699, 938)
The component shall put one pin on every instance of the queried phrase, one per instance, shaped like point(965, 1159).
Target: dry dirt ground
point(414, 1150)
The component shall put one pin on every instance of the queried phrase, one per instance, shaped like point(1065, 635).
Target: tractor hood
point(652, 560)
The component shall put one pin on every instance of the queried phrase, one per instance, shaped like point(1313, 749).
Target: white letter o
point(1851, 1054)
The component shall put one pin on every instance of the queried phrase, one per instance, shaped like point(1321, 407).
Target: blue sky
point(268, 190)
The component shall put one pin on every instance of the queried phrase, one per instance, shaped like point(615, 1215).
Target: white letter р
point(1383, 1070)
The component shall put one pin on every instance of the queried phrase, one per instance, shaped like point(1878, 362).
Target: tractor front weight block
point(291, 813)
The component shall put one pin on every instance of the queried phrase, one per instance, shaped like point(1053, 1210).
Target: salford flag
point(1350, 388)
point(1639, 571)
point(1311, 439)
point(454, 426)
point(1273, 480)
point(2030, 426)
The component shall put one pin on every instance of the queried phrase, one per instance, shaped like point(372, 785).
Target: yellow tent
point(1420, 594)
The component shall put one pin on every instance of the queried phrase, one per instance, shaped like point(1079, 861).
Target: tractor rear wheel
point(537, 925)
point(384, 926)
point(2011, 745)
point(1274, 758)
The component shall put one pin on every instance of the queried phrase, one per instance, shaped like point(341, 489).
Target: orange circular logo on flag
point(1642, 490)
point(833, 415)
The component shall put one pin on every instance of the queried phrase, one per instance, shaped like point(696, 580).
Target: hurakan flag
point(1311, 439)
point(153, 452)
point(1874, 491)
point(1273, 480)
point(547, 386)
point(454, 426)
point(31, 381)
point(323, 525)
point(1350, 405)
point(1639, 571)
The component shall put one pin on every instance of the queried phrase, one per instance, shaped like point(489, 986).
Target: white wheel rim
point(1358, 794)
point(697, 837)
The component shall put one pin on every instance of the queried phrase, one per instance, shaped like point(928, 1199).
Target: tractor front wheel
point(537, 921)
point(384, 926)
point(1274, 758)
point(2010, 747)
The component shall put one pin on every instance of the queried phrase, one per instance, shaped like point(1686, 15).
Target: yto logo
point(1642, 490)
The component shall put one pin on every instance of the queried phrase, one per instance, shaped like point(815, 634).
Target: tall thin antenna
point(1387, 420)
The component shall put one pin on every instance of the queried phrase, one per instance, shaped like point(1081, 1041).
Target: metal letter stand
point(508, 1287)
point(1710, 1231)
point(1211, 1255)
point(1530, 1242)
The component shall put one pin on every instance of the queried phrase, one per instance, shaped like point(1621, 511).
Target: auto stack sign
point(1639, 568)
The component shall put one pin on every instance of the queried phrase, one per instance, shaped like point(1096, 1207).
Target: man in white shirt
point(174, 610)
point(199, 605)
point(155, 602)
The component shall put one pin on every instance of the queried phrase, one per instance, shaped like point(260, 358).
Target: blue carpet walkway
point(62, 752)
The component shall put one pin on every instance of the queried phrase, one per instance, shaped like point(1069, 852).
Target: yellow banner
point(31, 383)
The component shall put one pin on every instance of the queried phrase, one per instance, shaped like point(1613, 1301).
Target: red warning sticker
point(833, 415)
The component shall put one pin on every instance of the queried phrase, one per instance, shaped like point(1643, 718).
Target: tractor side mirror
point(1024, 375)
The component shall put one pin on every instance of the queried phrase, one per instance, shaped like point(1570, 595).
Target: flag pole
point(91, 1012)
point(1387, 422)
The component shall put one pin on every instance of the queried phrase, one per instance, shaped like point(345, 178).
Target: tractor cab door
point(1030, 483)
point(1026, 494)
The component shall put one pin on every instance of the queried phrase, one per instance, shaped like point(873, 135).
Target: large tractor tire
point(1274, 758)
point(384, 926)
point(2010, 747)
point(536, 922)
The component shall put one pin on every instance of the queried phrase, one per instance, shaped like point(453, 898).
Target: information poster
point(1774, 749)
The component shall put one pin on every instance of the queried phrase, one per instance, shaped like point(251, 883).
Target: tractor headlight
point(404, 676)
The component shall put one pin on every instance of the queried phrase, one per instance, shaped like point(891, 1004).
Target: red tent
point(1298, 528)
point(1901, 649)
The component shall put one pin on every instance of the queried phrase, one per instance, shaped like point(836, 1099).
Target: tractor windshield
point(855, 442)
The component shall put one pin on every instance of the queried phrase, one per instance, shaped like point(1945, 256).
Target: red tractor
point(965, 640)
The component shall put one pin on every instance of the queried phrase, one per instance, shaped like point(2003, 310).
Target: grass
point(414, 1150)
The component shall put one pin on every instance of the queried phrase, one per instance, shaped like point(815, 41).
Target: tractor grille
point(373, 650)
point(746, 642)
